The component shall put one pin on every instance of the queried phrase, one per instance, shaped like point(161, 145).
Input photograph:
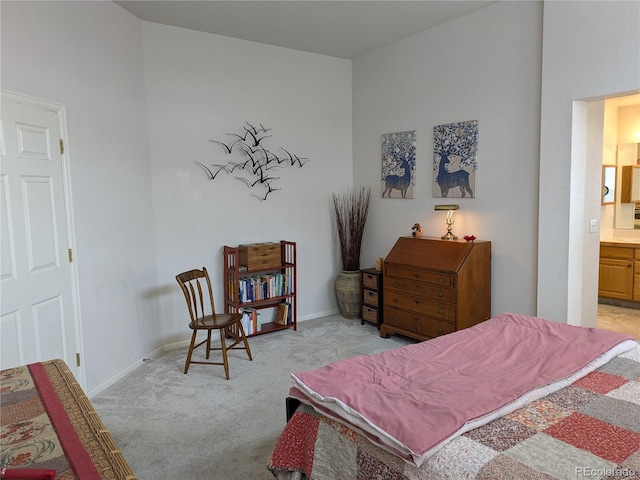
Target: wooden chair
point(195, 285)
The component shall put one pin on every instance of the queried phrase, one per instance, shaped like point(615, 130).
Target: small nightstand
point(372, 305)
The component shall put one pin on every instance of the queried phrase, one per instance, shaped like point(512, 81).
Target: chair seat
point(219, 320)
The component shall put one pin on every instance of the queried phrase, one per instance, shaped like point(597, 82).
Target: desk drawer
point(429, 290)
point(417, 323)
point(437, 278)
point(425, 306)
point(435, 328)
point(616, 252)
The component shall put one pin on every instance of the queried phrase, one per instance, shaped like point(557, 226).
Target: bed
point(515, 397)
point(50, 427)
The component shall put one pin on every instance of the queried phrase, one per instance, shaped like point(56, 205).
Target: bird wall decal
point(255, 161)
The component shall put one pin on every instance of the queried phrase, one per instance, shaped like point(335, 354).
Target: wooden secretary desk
point(433, 287)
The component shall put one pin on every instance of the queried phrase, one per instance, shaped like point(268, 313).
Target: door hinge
point(61, 146)
point(70, 255)
point(77, 359)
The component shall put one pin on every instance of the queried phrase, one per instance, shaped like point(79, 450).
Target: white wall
point(143, 210)
point(88, 56)
point(200, 87)
point(590, 50)
point(484, 66)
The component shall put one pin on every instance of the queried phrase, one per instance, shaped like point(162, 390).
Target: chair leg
point(246, 342)
point(193, 341)
point(223, 347)
point(208, 343)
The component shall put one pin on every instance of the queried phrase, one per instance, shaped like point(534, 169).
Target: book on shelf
point(282, 313)
point(246, 321)
point(289, 313)
point(263, 287)
point(250, 321)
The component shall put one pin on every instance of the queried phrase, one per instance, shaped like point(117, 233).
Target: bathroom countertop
point(633, 241)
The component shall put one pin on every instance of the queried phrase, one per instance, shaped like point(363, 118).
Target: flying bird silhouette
point(254, 132)
point(300, 160)
point(208, 170)
point(226, 147)
point(293, 159)
point(267, 155)
point(254, 160)
point(241, 166)
point(269, 190)
point(258, 180)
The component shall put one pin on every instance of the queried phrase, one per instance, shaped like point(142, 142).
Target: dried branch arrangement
point(351, 209)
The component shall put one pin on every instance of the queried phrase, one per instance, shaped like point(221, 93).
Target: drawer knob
point(416, 274)
point(371, 294)
point(441, 311)
point(440, 293)
point(395, 284)
point(418, 301)
point(440, 331)
point(395, 300)
point(416, 319)
point(369, 277)
point(441, 280)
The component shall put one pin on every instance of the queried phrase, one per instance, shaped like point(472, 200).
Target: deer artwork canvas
point(398, 164)
point(455, 159)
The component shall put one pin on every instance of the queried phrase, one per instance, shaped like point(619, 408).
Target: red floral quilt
point(47, 422)
point(590, 429)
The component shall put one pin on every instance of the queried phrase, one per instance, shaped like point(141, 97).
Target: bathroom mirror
point(609, 174)
point(626, 213)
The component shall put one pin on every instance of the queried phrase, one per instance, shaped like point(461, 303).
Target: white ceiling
point(339, 28)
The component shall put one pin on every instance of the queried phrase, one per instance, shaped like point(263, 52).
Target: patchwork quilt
point(589, 429)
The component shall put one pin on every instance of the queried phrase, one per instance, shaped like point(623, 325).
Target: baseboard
point(619, 303)
point(172, 346)
point(122, 373)
point(319, 315)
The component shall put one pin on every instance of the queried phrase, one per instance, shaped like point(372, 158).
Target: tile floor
point(620, 319)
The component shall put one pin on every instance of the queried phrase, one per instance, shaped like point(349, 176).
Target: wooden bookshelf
point(261, 276)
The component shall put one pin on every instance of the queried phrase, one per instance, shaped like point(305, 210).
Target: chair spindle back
point(192, 286)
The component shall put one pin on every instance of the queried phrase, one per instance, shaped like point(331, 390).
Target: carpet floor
point(201, 426)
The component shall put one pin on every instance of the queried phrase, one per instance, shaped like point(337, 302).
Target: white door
point(38, 320)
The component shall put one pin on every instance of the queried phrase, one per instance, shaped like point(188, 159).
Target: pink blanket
point(418, 397)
